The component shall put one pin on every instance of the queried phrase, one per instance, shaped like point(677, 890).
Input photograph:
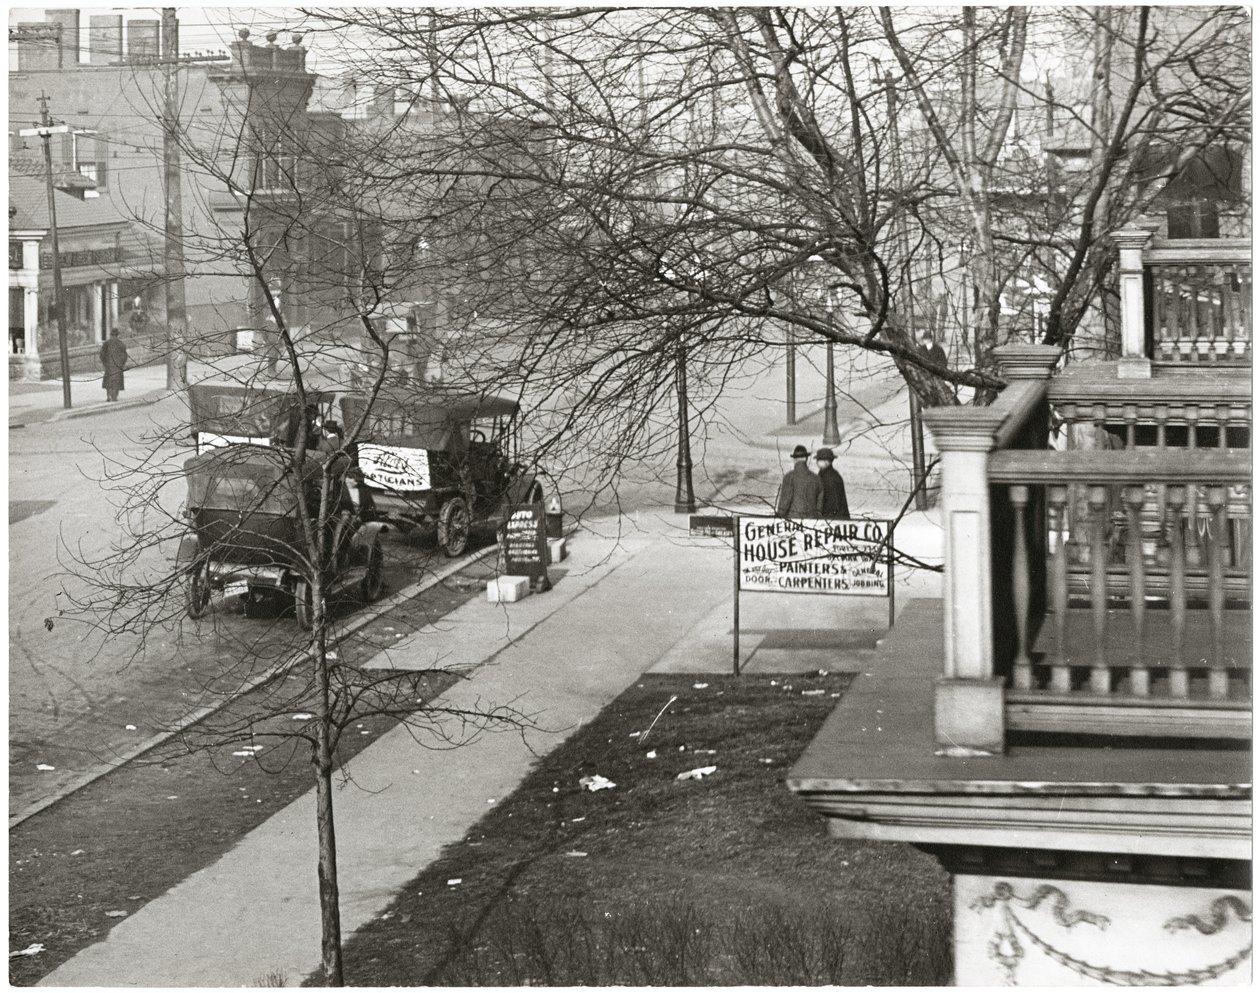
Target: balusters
point(1060, 673)
point(1220, 345)
point(1099, 674)
point(1190, 330)
point(1139, 676)
point(1178, 678)
point(1130, 425)
point(1161, 425)
point(1218, 674)
point(1242, 342)
point(1194, 549)
point(1159, 318)
point(1022, 589)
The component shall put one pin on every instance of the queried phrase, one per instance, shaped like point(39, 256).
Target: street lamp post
point(791, 375)
point(831, 428)
point(684, 494)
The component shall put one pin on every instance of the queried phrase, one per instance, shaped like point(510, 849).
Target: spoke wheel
point(453, 526)
point(373, 580)
point(199, 590)
point(304, 605)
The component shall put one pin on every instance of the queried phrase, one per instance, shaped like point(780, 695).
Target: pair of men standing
point(803, 494)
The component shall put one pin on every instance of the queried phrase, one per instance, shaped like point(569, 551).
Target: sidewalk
point(651, 598)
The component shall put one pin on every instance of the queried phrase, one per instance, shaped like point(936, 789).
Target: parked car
point(246, 535)
point(433, 457)
point(265, 414)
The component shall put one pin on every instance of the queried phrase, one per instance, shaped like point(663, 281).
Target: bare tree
point(310, 237)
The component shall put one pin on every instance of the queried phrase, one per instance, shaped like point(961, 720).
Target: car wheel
point(373, 580)
point(453, 526)
point(199, 590)
point(304, 605)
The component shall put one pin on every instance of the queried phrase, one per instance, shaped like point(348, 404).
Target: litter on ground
point(575, 855)
point(302, 717)
point(130, 727)
point(115, 913)
point(454, 882)
point(812, 692)
point(699, 686)
point(652, 754)
point(34, 949)
point(594, 783)
point(45, 767)
point(700, 773)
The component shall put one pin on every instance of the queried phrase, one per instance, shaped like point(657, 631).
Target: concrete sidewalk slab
point(403, 802)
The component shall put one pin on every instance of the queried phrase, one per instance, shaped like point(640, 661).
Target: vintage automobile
point(246, 535)
point(436, 457)
point(266, 414)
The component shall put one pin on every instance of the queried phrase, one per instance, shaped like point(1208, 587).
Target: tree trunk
point(329, 899)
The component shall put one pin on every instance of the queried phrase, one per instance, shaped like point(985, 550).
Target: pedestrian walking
point(834, 502)
point(800, 494)
point(113, 362)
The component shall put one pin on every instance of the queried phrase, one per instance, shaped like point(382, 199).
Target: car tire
point(454, 525)
point(198, 590)
point(304, 605)
point(373, 581)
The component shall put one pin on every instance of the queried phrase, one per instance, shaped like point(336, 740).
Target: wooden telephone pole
point(46, 130)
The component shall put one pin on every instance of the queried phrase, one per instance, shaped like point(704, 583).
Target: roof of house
point(29, 198)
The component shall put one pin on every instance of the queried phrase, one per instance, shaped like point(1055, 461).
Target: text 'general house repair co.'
point(813, 556)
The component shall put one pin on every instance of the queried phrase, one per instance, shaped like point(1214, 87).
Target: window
point(15, 255)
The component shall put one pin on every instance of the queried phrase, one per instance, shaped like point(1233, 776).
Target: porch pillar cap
point(1136, 233)
point(1026, 361)
point(963, 429)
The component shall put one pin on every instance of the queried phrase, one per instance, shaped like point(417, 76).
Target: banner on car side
point(386, 467)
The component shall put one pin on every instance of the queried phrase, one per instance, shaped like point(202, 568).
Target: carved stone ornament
point(1007, 950)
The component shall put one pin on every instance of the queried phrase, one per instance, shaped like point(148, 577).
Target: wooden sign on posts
point(838, 557)
point(525, 545)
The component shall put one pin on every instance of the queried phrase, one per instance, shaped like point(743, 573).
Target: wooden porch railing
point(1183, 301)
point(1095, 591)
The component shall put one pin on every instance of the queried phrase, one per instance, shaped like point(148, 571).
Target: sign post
point(833, 557)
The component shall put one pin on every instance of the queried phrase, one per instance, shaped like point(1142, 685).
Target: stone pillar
point(112, 290)
point(1134, 362)
point(969, 700)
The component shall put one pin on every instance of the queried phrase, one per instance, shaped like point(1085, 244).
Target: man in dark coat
point(834, 502)
point(114, 362)
point(800, 495)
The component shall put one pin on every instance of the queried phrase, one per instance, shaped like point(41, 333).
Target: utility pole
point(173, 252)
point(45, 131)
point(176, 314)
point(918, 461)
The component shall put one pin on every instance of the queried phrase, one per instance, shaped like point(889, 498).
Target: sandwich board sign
point(525, 545)
point(813, 555)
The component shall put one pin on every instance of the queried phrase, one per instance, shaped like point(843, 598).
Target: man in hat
point(834, 502)
point(114, 364)
point(800, 494)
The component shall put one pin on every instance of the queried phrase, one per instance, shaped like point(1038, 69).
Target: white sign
point(208, 439)
point(813, 556)
point(388, 468)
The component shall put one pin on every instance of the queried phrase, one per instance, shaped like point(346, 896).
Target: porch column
point(112, 290)
point(969, 700)
point(98, 312)
point(1134, 362)
point(30, 310)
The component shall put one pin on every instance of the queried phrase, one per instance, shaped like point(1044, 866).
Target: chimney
point(69, 21)
point(142, 40)
point(39, 45)
point(105, 38)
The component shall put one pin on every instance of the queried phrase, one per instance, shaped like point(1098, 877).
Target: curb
point(33, 416)
point(362, 619)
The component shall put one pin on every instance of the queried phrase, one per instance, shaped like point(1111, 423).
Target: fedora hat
point(800, 452)
point(825, 454)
